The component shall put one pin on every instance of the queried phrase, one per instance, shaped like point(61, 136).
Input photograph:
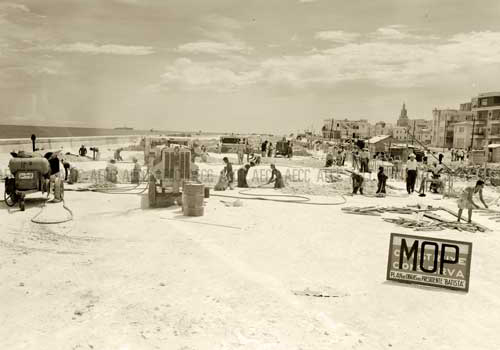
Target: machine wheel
point(152, 192)
point(10, 199)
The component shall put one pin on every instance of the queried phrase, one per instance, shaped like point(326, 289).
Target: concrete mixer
point(30, 174)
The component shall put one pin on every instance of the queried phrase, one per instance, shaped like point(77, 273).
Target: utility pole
point(473, 127)
point(413, 138)
point(445, 132)
point(331, 130)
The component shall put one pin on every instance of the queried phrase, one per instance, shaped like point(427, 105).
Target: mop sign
point(429, 261)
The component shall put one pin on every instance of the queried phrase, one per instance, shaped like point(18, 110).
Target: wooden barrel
point(192, 199)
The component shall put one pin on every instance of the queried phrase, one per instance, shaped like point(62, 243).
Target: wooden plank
point(472, 222)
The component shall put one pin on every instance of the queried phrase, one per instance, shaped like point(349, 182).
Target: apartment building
point(486, 121)
point(346, 129)
point(443, 125)
point(382, 128)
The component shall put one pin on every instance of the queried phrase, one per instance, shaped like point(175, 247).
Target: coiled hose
point(36, 221)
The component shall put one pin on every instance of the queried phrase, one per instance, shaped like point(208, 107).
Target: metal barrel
point(192, 199)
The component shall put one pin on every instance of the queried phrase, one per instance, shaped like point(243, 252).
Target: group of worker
point(337, 156)
point(458, 155)
point(226, 179)
point(82, 152)
point(111, 172)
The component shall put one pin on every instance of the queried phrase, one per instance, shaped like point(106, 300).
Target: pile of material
point(436, 223)
point(377, 210)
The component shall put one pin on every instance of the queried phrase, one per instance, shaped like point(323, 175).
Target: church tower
point(403, 117)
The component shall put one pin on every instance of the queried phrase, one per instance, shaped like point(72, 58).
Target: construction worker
point(241, 152)
point(82, 151)
point(276, 177)
point(329, 160)
point(263, 148)
point(195, 170)
point(396, 163)
point(382, 179)
point(357, 183)
point(242, 176)
point(112, 172)
point(411, 173)
point(355, 160)
point(289, 149)
point(254, 159)
point(424, 174)
point(66, 166)
point(248, 150)
point(436, 175)
point(117, 155)
point(54, 177)
point(136, 172)
point(228, 172)
point(270, 150)
point(465, 200)
point(53, 158)
point(365, 159)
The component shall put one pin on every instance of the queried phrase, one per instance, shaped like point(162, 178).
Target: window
point(484, 102)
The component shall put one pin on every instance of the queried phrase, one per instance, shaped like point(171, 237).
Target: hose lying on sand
point(36, 221)
point(267, 197)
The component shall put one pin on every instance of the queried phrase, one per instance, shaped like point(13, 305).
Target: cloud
point(12, 6)
point(188, 75)
point(398, 32)
point(337, 36)
point(213, 47)
point(385, 63)
point(112, 49)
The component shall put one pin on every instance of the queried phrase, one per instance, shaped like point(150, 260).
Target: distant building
point(407, 129)
point(380, 143)
point(424, 135)
point(475, 126)
point(382, 128)
point(466, 107)
point(443, 125)
point(400, 133)
point(462, 135)
point(486, 119)
point(403, 117)
point(346, 129)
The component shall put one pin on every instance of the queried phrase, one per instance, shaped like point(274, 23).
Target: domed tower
point(403, 117)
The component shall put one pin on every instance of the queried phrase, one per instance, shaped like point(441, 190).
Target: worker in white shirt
point(411, 173)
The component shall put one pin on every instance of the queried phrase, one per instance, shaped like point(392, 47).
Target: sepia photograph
point(249, 174)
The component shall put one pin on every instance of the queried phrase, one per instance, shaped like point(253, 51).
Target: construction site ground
point(124, 276)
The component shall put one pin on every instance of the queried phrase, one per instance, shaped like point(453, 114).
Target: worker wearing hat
point(411, 173)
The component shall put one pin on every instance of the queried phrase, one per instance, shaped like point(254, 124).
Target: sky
point(273, 66)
